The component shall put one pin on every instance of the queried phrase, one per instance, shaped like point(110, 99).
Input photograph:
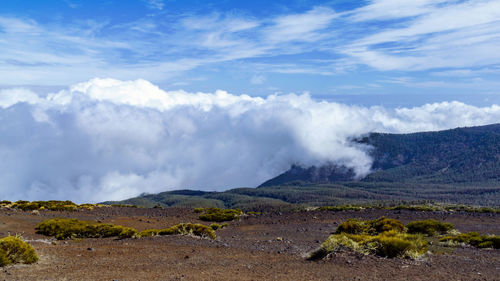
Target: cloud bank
point(108, 139)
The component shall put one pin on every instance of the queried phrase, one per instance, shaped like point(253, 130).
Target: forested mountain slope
point(462, 155)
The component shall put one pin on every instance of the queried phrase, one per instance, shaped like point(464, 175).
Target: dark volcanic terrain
point(271, 246)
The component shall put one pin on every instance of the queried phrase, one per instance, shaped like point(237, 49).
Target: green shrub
point(254, 213)
point(473, 238)
point(198, 210)
point(220, 215)
point(147, 233)
point(387, 244)
point(341, 208)
point(420, 208)
point(53, 205)
point(394, 244)
point(352, 226)
point(371, 227)
point(384, 224)
point(14, 250)
point(216, 226)
point(429, 227)
point(127, 232)
point(73, 228)
point(189, 229)
point(336, 242)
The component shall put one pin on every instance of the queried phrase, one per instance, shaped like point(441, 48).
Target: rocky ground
point(267, 247)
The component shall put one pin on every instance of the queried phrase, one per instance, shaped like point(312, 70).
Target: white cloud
point(109, 139)
point(393, 9)
point(440, 35)
point(155, 4)
point(301, 27)
point(9, 97)
point(384, 34)
point(258, 79)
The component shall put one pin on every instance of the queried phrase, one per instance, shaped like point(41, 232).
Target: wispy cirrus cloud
point(155, 4)
point(300, 27)
point(439, 34)
point(381, 37)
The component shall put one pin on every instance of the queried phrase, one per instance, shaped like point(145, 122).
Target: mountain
point(461, 155)
point(459, 166)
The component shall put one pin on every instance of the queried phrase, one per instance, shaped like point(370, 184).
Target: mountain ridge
point(460, 155)
point(456, 166)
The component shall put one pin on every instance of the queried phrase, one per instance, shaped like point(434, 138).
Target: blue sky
point(385, 52)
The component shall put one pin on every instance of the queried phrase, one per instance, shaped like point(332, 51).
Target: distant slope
point(462, 155)
point(322, 194)
point(459, 166)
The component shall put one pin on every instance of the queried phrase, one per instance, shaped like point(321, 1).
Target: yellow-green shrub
point(341, 208)
point(216, 226)
point(73, 228)
point(384, 224)
point(220, 215)
point(429, 227)
point(198, 210)
point(14, 250)
point(371, 227)
point(352, 226)
point(393, 244)
point(387, 244)
point(147, 233)
point(127, 232)
point(473, 238)
point(189, 228)
point(5, 202)
point(53, 205)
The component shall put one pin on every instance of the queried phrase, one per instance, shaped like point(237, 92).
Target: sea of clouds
point(108, 139)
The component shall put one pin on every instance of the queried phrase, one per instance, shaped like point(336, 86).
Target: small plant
point(341, 208)
point(148, 233)
point(429, 227)
point(254, 213)
point(5, 203)
point(198, 210)
point(216, 226)
point(384, 224)
point(370, 227)
point(53, 205)
point(387, 244)
point(420, 208)
point(73, 228)
point(352, 226)
point(474, 239)
point(14, 250)
point(189, 229)
point(220, 215)
point(394, 244)
point(127, 232)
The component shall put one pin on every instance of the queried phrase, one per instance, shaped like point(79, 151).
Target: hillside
point(462, 155)
point(286, 196)
point(458, 166)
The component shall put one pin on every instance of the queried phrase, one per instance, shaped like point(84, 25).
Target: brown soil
point(265, 247)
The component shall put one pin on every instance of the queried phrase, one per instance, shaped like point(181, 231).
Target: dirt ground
point(266, 247)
